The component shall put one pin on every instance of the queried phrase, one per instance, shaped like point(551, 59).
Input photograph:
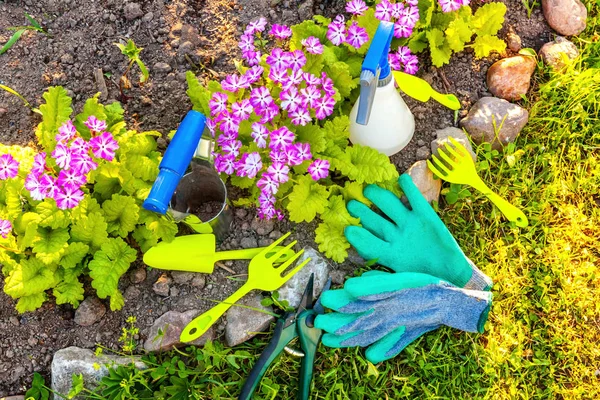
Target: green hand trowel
point(419, 89)
point(196, 253)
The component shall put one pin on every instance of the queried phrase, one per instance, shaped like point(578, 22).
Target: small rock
point(338, 277)
point(567, 17)
point(355, 258)
point(74, 360)
point(162, 68)
point(182, 278)
point(3, 111)
point(553, 53)
point(305, 10)
point(422, 153)
point(132, 293)
point(264, 242)
point(424, 180)
point(185, 48)
point(248, 243)
point(89, 311)
point(510, 77)
point(241, 213)
point(262, 226)
point(176, 29)
point(199, 281)
point(488, 112)
point(513, 41)
point(164, 334)
point(14, 320)
point(293, 289)
point(101, 84)
point(132, 11)
point(244, 323)
point(148, 17)
point(161, 286)
point(66, 59)
point(457, 134)
point(137, 275)
point(17, 397)
point(174, 292)
point(147, 101)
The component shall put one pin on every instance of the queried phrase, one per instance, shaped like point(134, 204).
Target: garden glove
point(410, 240)
point(388, 311)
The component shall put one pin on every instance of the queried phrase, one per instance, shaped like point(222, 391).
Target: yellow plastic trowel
point(419, 89)
point(196, 253)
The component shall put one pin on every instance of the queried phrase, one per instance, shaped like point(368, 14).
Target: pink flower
point(278, 157)
point(226, 137)
point(397, 10)
point(402, 30)
point(280, 31)
point(211, 125)
point(303, 151)
point(324, 107)
point(279, 59)
point(301, 116)
point(5, 228)
point(411, 15)
point(252, 165)
point(357, 36)
point(404, 54)
point(279, 172)
point(394, 62)
point(246, 43)
point(95, 124)
point(225, 163)
point(319, 169)
point(104, 146)
point(278, 75)
point(336, 33)
point(260, 133)
point(268, 184)
point(297, 60)
point(269, 113)
point(233, 83)
point(312, 45)
point(310, 79)
point(291, 155)
point(79, 146)
point(267, 211)
point(450, 5)
point(253, 59)
point(66, 132)
point(327, 84)
point(217, 103)
point(62, 155)
point(310, 95)
point(233, 147)
point(412, 65)
point(254, 74)
point(35, 187)
point(242, 109)
point(256, 26)
point(260, 97)
point(356, 7)
point(266, 198)
point(228, 122)
point(383, 10)
point(280, 138)
point(9, 167)
point(49, 186)
point(69, 197)
point(72, 178)
point(291, 100)
point(39, 164)
point(294, 78)
point(83, 163)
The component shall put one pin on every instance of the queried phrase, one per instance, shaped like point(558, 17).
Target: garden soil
point(177, 36)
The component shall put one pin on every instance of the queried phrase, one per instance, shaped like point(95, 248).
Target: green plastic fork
point(262, 274)
point(457, 166)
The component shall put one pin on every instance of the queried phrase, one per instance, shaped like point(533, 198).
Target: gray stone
point(89, 311)
point(554, 53)
point(67, 59)
point(424, 180)
point(162, 68)
point(137, 275)
point(148, 17)
point(248, 243)
point(182, 278)
point(305, 10)
point(293, 289)
point(241, 213)
point(567, 17)
point(262, 226)
point(185, 48)
point(243, 323)
point(132, 11)
point(162, 285)
point(199, 281)
point(459, 135)
point(74, 360)
point(132, 293)
point(422, 153)
point(164, 334)
point(495, 121)
point(338, 277)
point(17, 397)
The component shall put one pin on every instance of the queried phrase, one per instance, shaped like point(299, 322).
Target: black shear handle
point(281, 337)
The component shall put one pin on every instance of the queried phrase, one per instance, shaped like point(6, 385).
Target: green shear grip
point(309, 340)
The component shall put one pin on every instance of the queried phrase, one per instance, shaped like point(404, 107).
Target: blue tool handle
point(175, 161)
point(377, 55)
point(281, 337)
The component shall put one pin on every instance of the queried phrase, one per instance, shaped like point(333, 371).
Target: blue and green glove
point(411, 240)
point(388, 311)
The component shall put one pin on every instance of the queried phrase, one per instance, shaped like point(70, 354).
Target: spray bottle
point(380, 119)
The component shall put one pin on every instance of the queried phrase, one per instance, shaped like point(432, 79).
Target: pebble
point(185, 48)
point(567, 17)
point(490, 111)
point(147, 101)
point(170, 325)
point(552, 52)
point(132, 293)
point(293, 289)
point(423, 153)
point(245, 226)
point(424, 180)
point(137, 275)
point(174, 292)
point(510, 77)
point(264, 242)
point(148, 17)
point(181, 277)
point(241, 213)
point(244, 323)
point(248, 243)
point(162, 68)
point(513, 41)
point(3, 111)
point(305, 10)
point(67, 59)
point(132, 11)
point(14, 320)
point(199, 281)
point(263, 226)
point(459, 135)
point(89, 311)
point(161, 286)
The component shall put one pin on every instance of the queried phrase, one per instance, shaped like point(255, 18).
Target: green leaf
point(426, 8)
point(164, 229)
point(439, 47)
point(30, 277)
point(87, 206)
point(354, 191)
point(12, 199)
point(91, 107)
point(339, 72)
point(109, 264)
point(458, 33)
point(116, 301)
point(145, 168)
point(12, 40)
point(70, 291)
point(74, 254)
point(55, 112)
point(76, 385)
point(337, 131)
point(365, 164)
point(121, 213)
point(305, 29)
point(488, 19)
point(49, 242)
point(38, 390)
point(418, 42)
point(31, 302)
point(145, 74)
point(140, 143)
point(145, 238)
point(199, 95)
point(331, 241)
point(313, 135)
point(307, 199)
point(51, 216)
point(110, 178)
point(114, 113)
point(484, 45)
point(130, 49)
point(242, 181)
point(91, 230)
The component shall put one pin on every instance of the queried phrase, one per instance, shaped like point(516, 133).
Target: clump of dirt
point(207, 211)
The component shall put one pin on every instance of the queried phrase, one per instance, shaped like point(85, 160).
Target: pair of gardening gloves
point(434, 283)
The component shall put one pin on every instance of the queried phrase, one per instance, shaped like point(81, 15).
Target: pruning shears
point(295, 324)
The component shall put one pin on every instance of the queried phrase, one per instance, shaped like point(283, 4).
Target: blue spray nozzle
point(374, 68)
point(175, 161)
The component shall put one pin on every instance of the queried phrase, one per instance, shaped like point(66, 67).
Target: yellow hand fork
point(458, 167)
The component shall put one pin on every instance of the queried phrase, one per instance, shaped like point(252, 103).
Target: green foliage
point(19, 31)
point(133, 54)
point(52, 249)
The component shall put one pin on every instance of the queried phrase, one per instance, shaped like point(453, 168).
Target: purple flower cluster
point(72, 156)
point(353, 35)
point(404, 14)
point(266, 96)
point(452, 5)
point(5, 228)
point(404, 60)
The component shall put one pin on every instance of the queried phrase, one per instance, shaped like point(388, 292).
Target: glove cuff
point(478, 280)
point(483, 318)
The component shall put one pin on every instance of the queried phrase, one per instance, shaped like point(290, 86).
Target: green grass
point(542, 336)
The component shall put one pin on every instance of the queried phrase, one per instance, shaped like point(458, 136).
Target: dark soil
point(207, 211)
point(82, 41)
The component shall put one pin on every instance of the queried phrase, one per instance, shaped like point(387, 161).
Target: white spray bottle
point(380, 119)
